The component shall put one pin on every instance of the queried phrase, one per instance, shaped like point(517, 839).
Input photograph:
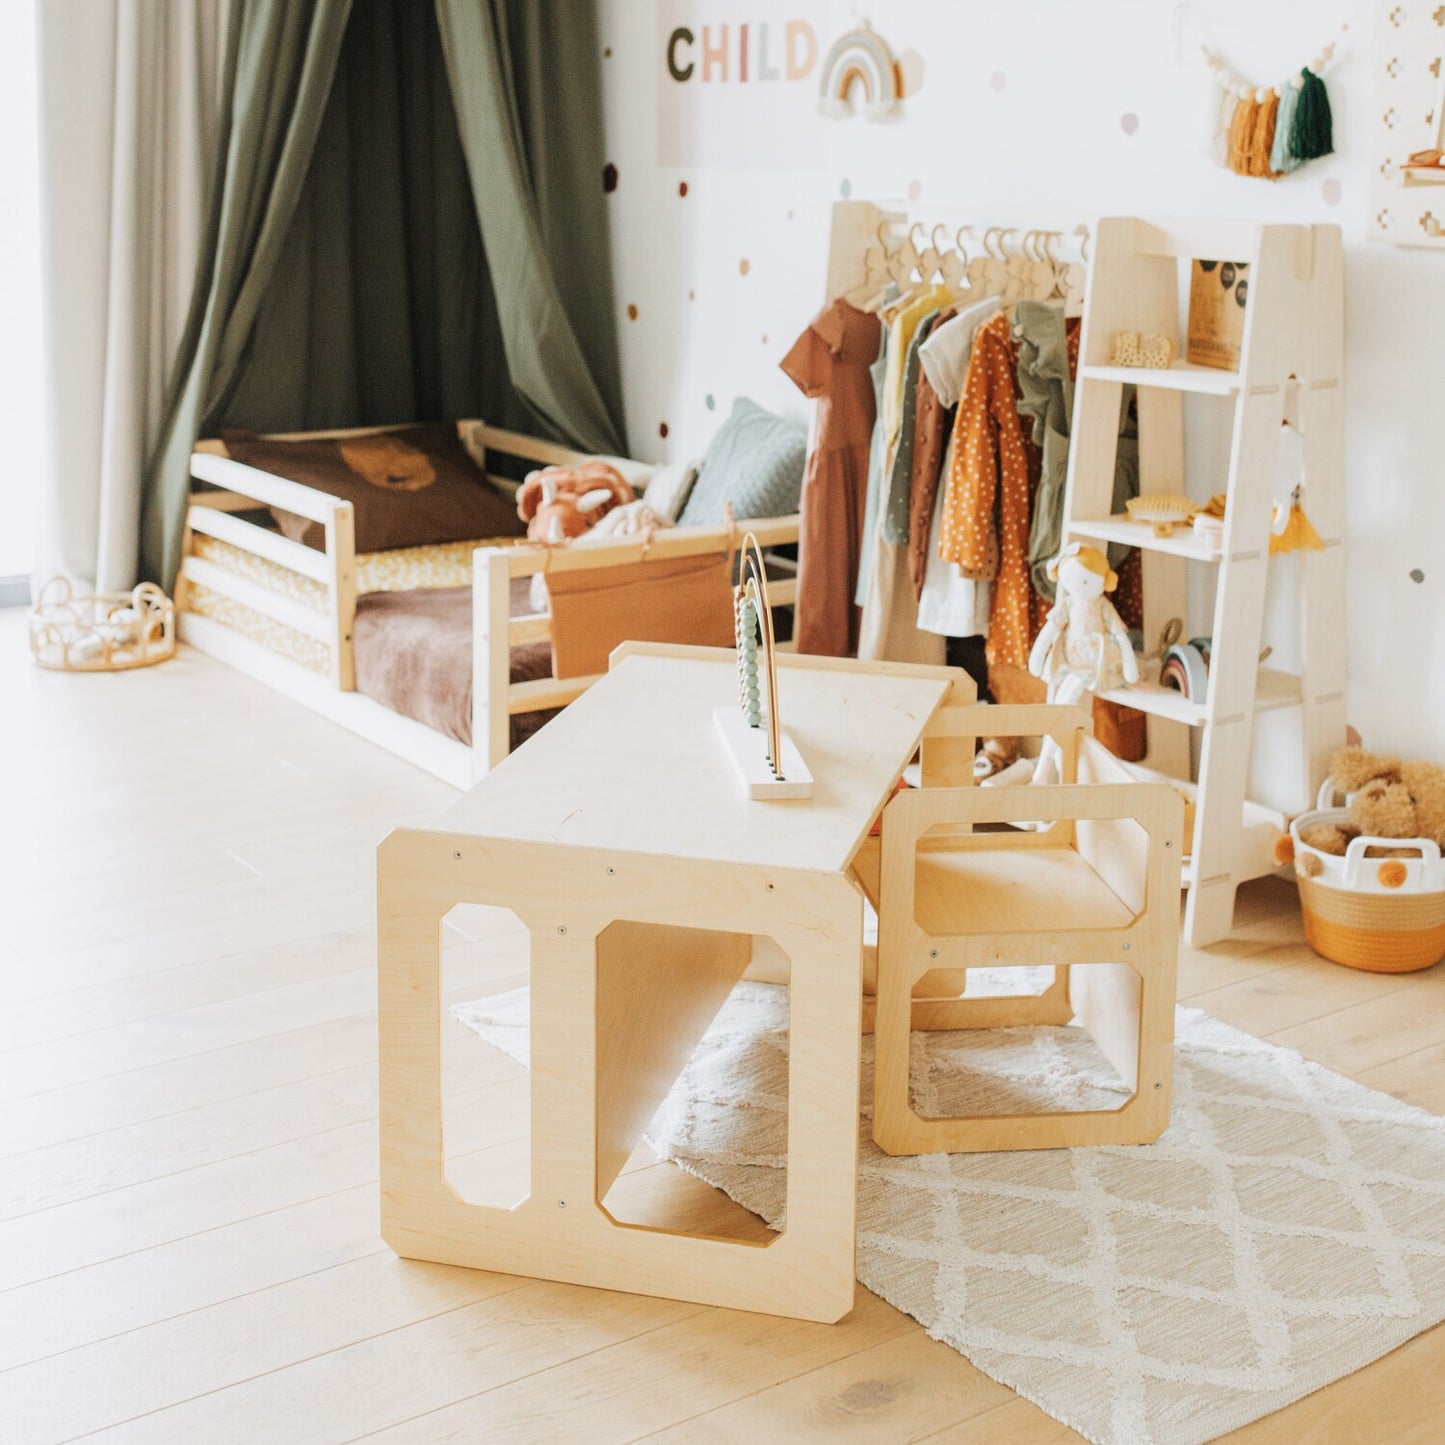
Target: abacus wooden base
point(747, 748)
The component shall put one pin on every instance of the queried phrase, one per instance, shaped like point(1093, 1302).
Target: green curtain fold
point(408, 225)
point(280, 58)
point(527, 92)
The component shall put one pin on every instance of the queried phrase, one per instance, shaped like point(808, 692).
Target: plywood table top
point(635, 764)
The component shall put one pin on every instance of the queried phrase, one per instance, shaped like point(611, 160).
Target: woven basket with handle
point(1384, 914)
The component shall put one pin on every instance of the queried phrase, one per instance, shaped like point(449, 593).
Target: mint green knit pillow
point(755, 462)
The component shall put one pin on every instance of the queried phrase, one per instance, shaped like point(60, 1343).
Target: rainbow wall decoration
point(860, 58)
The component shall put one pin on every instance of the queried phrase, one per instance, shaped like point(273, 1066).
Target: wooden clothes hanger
point(870, 294)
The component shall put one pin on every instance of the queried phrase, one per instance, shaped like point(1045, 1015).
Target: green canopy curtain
point(380, 307)
point(353, 276)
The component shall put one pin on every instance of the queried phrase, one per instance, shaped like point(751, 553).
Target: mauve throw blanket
point(414, 656)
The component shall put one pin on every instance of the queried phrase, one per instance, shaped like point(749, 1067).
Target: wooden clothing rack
point(872, 243)
point(1289, 371)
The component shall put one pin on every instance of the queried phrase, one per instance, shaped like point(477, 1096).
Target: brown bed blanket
point(414, 655)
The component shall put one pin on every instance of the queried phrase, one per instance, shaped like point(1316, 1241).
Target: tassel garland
point(1241, 135)
point(1261, 136)
point(1311, 134)
point(1281, 160)
point(1269, 131)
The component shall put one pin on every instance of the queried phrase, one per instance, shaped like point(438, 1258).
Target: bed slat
point(274, 491)
point(264, 543)
point(259, 599)
point(536, 627)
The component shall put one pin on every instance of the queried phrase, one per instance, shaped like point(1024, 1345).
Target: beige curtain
point(128, 110)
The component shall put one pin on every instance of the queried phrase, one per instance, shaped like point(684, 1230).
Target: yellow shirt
point(900, 336)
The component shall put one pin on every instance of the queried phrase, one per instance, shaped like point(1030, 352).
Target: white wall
point(1045, 141)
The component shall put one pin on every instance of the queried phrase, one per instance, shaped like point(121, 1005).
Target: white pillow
point(669, 489)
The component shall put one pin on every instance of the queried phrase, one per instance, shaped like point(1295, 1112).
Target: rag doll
point(1083, 647)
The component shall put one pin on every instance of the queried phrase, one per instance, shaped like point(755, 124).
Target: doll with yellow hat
point(1083, 646)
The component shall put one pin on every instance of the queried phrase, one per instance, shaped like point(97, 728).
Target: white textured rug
point(1286, 1230)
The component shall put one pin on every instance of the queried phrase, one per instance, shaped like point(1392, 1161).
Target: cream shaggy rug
point(1288, 1228)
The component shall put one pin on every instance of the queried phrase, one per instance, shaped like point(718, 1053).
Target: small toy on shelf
point(1147, 349)
point(1162, 511)
point(1084, 646)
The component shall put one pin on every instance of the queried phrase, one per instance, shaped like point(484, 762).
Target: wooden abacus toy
point(767, 763)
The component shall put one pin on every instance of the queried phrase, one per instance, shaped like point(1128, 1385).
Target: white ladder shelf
point(1289, 370)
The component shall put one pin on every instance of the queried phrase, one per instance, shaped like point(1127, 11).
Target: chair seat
point(1013, 890)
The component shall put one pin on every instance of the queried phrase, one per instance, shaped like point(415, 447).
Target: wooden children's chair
point(1091, 890)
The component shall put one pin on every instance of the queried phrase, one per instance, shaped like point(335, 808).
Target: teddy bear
point(1387, 799)
point(558, 503)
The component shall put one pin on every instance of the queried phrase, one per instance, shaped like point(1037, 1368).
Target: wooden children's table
point(621, 840)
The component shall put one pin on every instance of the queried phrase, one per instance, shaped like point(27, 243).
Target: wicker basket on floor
point(1377, 913)
point(104, 632)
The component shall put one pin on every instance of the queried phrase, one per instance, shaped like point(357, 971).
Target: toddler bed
point(433, 651)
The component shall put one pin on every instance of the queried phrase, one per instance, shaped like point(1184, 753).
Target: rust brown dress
point(830, 361)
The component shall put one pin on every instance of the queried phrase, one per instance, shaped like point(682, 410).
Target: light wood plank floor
point(188, 1246)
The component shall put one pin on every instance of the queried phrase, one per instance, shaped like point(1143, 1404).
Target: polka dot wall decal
point(607, 53)
point(1416, 575)
point(692, 295)
point(662, 429)
point(682, 188)
point(632, 311)
point(710, 402)
point(915, 189)
point(1129, 122)
point(997, 81)
point(609, 178)
point(744, 266)
point(845, 188)
point(1332, 191)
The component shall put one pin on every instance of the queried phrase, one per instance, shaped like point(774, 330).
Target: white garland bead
point(1245, 91)
point(1262, 94)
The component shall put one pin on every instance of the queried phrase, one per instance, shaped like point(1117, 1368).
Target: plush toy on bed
point(1387, 799)
point(558, 503)
point(1084, 646)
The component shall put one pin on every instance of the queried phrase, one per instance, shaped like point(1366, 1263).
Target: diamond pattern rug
point(1287, 1229)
